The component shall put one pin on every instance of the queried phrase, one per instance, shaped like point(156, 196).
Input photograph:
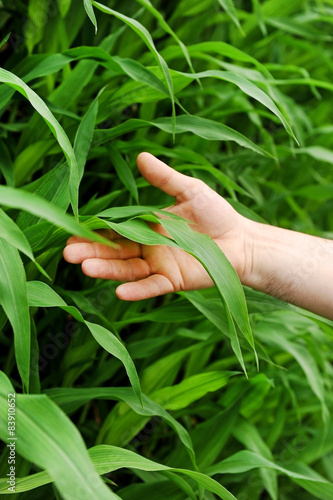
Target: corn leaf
point(59, 133)
point(14, 301)
point(53, 443)
point(41, 295)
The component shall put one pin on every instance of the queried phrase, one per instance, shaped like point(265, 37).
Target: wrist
point(272, 259)
point(240, 249)
point(250, 241)
point(263, 246)
point(291, 266)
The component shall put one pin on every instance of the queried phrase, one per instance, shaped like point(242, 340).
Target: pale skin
point(291, 266)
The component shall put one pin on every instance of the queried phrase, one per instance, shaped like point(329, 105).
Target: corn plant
point(217, 393)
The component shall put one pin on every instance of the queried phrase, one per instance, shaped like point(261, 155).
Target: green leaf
point(6, 164)
point(14, 300)
point(84, 136)
point(190, 389)
point(157, 14)
point(51, 186)
point(11, 233)
point(248, 435)
point(37, 21)
point(90, 11)
point(47, 437)
point(318, 153)
point(221, 177)
point(123, 171)
point(231, 10)
point(208, 129)
point(110, 458)
point(138, 230)
point(4, 40)
point(71, 399)
point(144, 34)
point(202, 127)
point(17, 198)
point(306, 362)
point(248, 88)
point(134, 69)
point(41, 295)
point(297, 28)
point(127, 212)
point(319, 192)
point(59, 133)
point(222, 273)
point(211, 257)
point(64, 6)
point(210, 308)
point(258, 14)
point(247, 460)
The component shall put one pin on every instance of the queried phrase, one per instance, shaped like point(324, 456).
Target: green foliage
point(153, 395)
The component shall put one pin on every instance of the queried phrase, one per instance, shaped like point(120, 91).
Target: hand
point(149, 271)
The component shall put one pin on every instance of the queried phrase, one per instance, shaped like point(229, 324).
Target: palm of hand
point(155, 270)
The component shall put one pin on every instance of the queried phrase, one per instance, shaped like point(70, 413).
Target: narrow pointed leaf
point(90, 11)
point(17, 198)
point(16, 83)
point(41, 295)
point(147, 39)
point(14, 300)
point(52, 443)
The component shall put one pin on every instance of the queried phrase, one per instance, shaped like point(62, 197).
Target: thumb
point(160, 175)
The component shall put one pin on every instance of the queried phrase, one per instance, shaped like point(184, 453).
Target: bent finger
point(116, 270)
point(76, 253)
point(153, 286)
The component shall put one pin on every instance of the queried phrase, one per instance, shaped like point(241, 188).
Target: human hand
point(149, 271)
